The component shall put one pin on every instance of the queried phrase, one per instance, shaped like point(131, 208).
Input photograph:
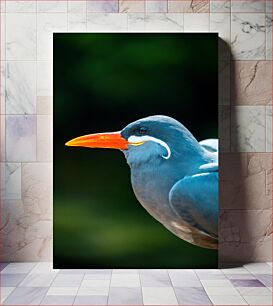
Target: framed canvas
point(135, 150)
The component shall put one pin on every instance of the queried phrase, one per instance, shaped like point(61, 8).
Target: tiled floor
point(39, 284)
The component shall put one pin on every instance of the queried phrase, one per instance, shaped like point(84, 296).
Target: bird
point(173, 176)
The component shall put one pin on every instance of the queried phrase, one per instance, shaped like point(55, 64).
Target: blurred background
point(102, 82)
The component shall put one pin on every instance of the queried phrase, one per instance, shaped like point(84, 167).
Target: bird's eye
point(142, 130)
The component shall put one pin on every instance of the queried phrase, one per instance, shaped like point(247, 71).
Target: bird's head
point(155, 137)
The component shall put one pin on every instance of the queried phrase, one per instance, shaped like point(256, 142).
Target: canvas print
point(135, 150)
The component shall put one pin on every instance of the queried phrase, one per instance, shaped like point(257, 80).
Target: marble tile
point(227, 300)
point(163, 22)
point(12, 174)
point(252, 83)
point(86, 271)
point(135, 22)
point(125, 280)
point(12, 280)
point(93, 291)
point(184, 280)
point(3, 36)
point(77, 22)
point(220, 6)
point(236, 271)
point(246, 291)
point(258, 299)
point(248, 36)
point(25, 296)
point(266, 279)
point(5, 292)
point(44, 268)
point(239, 240)
point(192, 296)
point(3, 265)
point(3, 87)
point(62, 291)
point(246, 283)
point(18, 268)
point(248, 129)
point(3, 6)
point(90, 300)
point(20, 36)
point(76, 6)
point(159, 296)
point(156, 6)
point(224, 128)
point(103, 22)
point(216, 283)
point(125, 271)
point(220, 23)
point(58, 6)
point(97, 276)
point(268, 29)
point(213, 291)
point(240, 276)
point(125, 296)
point(20, 138)
point(44, 138)
point(44, 78)
point(243, 181)
point(67, 280)
point(96, 283)
point(131, 6)
point(268, 6)
point(188, 6)
point(44, 105)
point(248, 6)
point(268, 128)
point(20, 88)
point(47, 23)
point(21, 6)
point(102, 6)
point(258, 267)
point(58, 300)
point(155, 280)
point(196, 22)
point(38, 280)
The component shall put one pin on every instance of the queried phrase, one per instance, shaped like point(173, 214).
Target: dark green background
point(102, 82)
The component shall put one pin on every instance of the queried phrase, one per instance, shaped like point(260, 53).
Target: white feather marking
point(138, 139)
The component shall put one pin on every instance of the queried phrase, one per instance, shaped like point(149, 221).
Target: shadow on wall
point(240, 239)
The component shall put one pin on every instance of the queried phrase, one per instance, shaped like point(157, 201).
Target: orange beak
point(100, 140)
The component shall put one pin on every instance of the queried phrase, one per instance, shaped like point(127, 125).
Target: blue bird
point(174, 177)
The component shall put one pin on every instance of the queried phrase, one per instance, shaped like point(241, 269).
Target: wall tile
point(44, 138)
point(248, 36)
point(21, 6)
point(156, 6)
point(12, 186)
point(106, 22)
point(224, 128)
point(131, 6)
point(268, 23)
point(248, 6)
point(240, 241)
point(20, 87)
point(21, 36)
point(58, 6)
point(44, 78)
point(196, 22)
point(44, 105)
point(3, 6)
point(102, 6)
point(20, 138)
point(77, 22)
point(46, 25)
point(251, 83)
point(269, 6)
point(220, 6)
point(3, 87)
point(135, 22)
point(3, 138)
point(3, 36)
point(244, 181)
point(268, 128)
point(164, 22)
point(224, 83)
point(37, 189)
point(248, 129)
point(77, 6)
point(188, 6)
